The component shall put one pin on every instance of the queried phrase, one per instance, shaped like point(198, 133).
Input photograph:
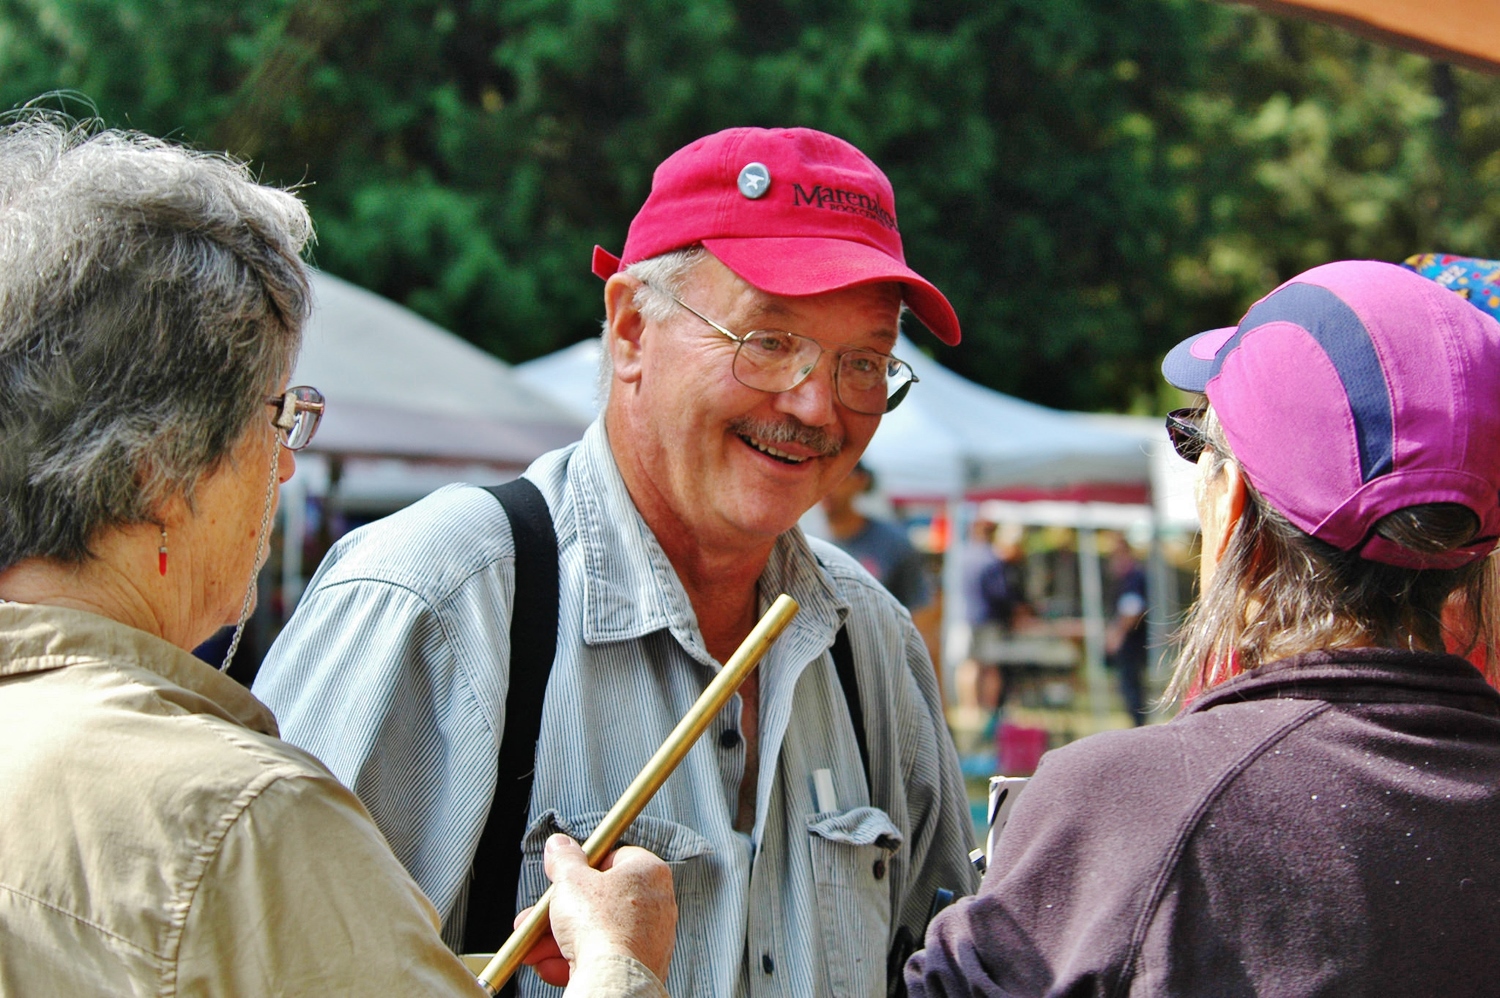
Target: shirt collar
point(36, 639)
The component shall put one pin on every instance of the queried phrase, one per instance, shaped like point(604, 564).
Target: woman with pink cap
point(1317, 818)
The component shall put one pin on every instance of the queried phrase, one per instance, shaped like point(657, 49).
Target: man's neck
point(720, 573)
point(722, 586)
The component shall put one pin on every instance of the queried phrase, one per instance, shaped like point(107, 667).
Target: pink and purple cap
point(1352, 391)
point(792, 211)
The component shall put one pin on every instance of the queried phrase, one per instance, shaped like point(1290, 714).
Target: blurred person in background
point(881, 547)
point(1002, 582)
point(1125, 635)
point(1318, 818)
point(158, 837)
point(977, 688)
point(995, 604)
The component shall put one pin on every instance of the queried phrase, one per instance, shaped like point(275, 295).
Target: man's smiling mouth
point(764, 435)
point(770, 451)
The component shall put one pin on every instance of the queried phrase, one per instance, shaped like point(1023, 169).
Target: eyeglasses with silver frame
point(296, 414)
point(770, 360)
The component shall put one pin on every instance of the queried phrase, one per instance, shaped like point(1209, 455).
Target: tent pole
point(960, 524)
point(1091, 589)
point(1161, 602)
point(293, 533)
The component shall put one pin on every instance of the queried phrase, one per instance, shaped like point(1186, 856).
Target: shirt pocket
point(681, 848)
point(850, 852)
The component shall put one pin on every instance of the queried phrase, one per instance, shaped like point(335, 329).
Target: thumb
point(563, 857)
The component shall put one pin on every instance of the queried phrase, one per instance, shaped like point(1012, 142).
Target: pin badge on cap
point(754, 181)
point(720, 192)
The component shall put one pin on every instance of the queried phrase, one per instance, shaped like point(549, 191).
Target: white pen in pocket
point(823, 796)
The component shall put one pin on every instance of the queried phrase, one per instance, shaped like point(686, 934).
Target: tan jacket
point(157, 838)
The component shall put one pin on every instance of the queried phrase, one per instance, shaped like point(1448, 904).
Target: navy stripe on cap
point(1347, 343)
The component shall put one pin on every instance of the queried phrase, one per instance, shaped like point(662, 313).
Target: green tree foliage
point(1088, 180)
point(1317, 146)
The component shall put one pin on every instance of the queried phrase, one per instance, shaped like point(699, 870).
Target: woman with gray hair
point(156, 837)
point(1318, 818)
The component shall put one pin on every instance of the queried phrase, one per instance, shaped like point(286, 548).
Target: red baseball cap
point(792, 211)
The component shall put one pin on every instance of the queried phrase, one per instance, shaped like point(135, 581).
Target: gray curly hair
point(149, 296)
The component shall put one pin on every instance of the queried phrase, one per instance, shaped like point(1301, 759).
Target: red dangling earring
point(161, 553)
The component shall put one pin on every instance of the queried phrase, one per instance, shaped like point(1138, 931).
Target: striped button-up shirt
point(394, 671)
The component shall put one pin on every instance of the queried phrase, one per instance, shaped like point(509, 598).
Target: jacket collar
point(1362, 675)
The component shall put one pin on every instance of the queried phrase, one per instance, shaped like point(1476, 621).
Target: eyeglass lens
point(1186, 433)
point(866, 382)
point(299, 412)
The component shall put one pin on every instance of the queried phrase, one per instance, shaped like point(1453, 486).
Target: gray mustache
point(788, 432)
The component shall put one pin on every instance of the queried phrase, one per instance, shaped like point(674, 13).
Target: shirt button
point(767, 964)
point(879, 869)
point(729, 738)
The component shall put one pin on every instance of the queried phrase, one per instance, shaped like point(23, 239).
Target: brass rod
point(636, 796)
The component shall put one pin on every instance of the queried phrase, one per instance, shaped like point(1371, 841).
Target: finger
point(553, 971)
point(546, 948)
point(629, 857)
point(639, 866)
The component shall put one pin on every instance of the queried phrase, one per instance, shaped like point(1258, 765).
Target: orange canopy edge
point(1466, 32)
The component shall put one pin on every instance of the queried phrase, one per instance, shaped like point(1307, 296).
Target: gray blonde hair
point(658, 276)
point(149, 297)
point(663, 275)
point(1278, 591)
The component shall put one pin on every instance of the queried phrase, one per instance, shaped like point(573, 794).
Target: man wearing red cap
point(749, 324)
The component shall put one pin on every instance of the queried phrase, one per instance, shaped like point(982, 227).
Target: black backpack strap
point(533, 645)
point(843, 661)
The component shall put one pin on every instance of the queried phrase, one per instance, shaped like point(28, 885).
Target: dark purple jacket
point(1324, 825)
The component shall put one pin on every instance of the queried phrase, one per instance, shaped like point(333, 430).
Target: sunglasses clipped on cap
point(1185, 430)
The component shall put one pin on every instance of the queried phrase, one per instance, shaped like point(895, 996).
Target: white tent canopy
point(1172, 479)
point(950, 438)
point(399, 386)
point(569, 377)
point(411, 407)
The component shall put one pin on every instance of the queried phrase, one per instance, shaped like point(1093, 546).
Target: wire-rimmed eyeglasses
point(1185, 430)
point(296, 414)
point(770, 360)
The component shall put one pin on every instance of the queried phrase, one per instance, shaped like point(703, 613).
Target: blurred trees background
point(1088, 180)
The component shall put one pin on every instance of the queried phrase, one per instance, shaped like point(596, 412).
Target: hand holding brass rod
point(636, 796)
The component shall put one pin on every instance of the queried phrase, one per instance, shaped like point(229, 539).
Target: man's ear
point(624, 326)
point(1231, 502)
